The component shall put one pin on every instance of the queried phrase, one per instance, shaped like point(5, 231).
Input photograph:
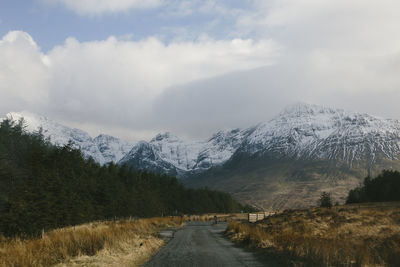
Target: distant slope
point(271, 183)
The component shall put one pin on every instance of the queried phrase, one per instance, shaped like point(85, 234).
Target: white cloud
point(338, 53)
point(100, 7)
point(24, 75)
point(114, 81)
point(339, 45)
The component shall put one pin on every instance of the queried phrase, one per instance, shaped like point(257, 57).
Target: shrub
point(325, 200)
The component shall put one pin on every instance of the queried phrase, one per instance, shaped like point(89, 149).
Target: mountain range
point(285, 162)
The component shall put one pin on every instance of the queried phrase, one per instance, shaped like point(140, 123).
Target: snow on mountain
point(102, 149)
point(220, 148)
point(312, 131)
point(165, 153)
point(112, 149)
point(299, 131)
point(181, 154)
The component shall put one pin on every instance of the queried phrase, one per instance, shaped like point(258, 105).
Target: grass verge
point(352, 235)
point(120, 243)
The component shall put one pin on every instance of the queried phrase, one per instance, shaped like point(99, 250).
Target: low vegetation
point(351, 235)
point(120, 243)
point(46, 187)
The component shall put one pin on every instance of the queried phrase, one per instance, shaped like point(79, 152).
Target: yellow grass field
point(350, 235)
point(120, 243)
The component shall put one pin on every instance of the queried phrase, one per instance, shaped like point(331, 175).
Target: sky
point(134, 68)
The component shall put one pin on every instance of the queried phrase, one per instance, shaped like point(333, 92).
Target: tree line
point(384, 187)
point(43, 186)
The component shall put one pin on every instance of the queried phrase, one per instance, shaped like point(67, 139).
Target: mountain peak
point(300, 109)
point(105, 137)
point(165, 136)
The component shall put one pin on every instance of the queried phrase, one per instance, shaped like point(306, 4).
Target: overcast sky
point(133, 68)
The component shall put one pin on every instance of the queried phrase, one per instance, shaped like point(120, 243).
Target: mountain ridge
point(299, 131)
point(304, 146)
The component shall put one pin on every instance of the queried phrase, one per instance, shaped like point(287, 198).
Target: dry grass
point(121, 243)
point(353, 235)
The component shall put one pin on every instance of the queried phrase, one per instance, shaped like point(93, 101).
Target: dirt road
point(201, 244)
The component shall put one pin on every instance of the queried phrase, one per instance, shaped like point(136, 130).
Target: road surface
point(202, 244)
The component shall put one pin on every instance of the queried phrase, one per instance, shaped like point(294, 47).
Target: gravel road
point(202, 244)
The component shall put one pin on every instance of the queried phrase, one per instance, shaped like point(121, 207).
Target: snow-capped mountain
point(306, 149)
point(167, 153)
point(285, 162)
point(102, 149)
point(220, 148)
point(315, 132)
point(112, 149)
point(300, 131)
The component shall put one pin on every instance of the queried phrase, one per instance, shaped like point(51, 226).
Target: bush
point(325, 200)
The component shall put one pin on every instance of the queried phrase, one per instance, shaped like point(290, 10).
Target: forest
point(43, 186)
point(384, 187)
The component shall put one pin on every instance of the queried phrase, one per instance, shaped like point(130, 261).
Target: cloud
point(344, 26)
point(238, 99)
point(338, 53)
point(114, 82)
point(100, 7)
point(24, 73)
point(342, 54)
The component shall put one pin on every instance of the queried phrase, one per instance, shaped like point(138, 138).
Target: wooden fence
point(255, 217)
